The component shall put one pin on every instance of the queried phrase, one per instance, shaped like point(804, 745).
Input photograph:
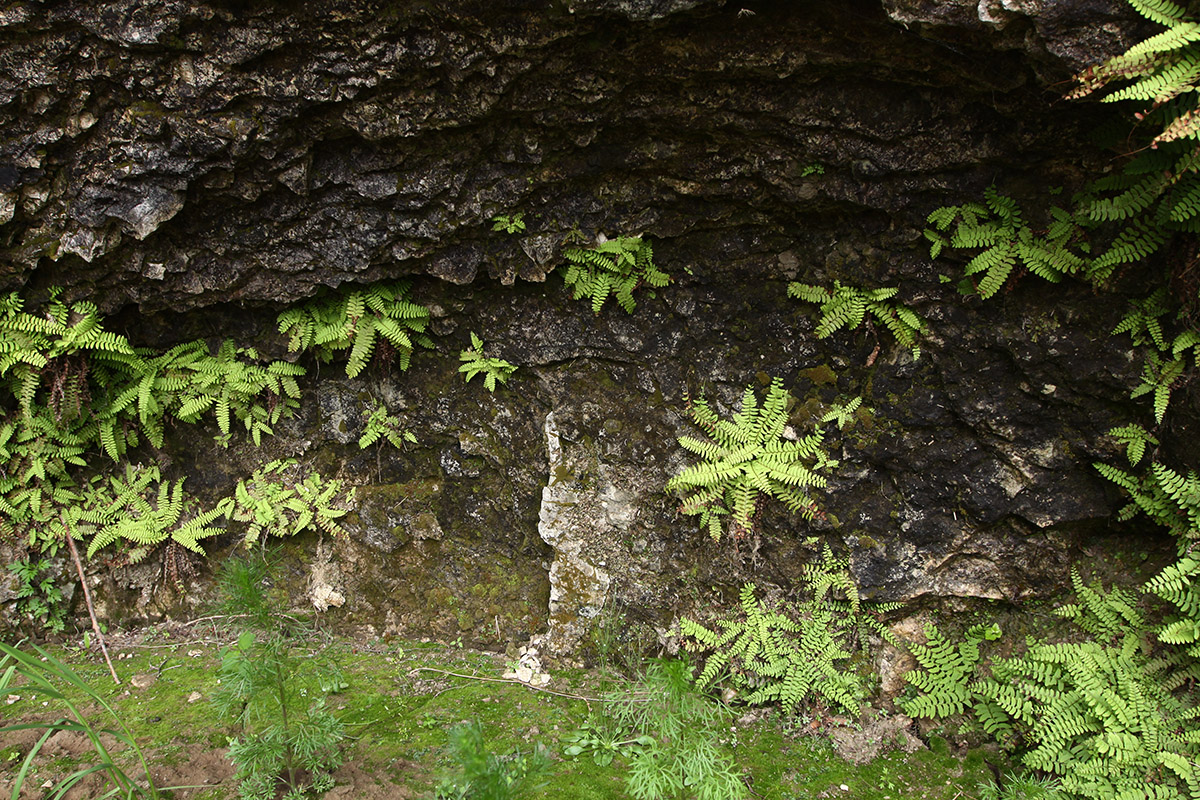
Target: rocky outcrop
point(194, 167)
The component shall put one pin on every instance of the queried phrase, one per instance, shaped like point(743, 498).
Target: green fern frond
point(745, 461)
point(847, 307)
point(354, 320)
point(614, 267)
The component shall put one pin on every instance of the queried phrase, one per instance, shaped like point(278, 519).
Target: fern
point(1006, 241)
point(1142, 322)
point(382, 425)
point(1158, 191)
point(358, 320)
point(141, 511)
point(492, 369)
point(1105, 714)
point(945, 672)
point(775, 657)
point(787, 654)
point(847, 307)
point(1135, 438)
point(514, 223)
point(1159, 378)
point(843, 414)
point(614, 267)
point(1165, 496)
point(280, 500)
point(746, 460)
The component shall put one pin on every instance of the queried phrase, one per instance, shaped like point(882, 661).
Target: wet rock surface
point(196, 167)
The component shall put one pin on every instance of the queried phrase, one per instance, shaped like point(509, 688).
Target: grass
point(400, 704)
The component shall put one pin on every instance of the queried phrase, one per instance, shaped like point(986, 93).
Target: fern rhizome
point(747, 459)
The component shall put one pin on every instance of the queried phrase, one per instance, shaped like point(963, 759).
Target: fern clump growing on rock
point(946, 672)
point(1005, 240)
point(280, 499)
point(357, 320)
point(848, 306)
point(476, 363)
point(746, 460)
point(614, 267)
point(383, 425)
point(1158, 191)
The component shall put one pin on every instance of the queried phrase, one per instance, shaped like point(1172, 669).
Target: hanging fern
point(746, 460)
point(358, 320)
point(614, 267)
point(1158, 191)
point(1162, 494)
point(141, 511)
point(1166, 369)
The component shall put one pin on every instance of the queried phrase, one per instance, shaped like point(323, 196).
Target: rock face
point(196, 167)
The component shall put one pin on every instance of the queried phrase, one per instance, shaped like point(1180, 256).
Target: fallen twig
point(511, 680)
point(87, 597)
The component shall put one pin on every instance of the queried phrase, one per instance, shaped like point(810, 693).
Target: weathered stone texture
point(195, 167)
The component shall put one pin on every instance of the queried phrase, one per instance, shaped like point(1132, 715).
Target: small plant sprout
point(843, 413)
point(514, 223)
point(382, 425)
point(475, 362)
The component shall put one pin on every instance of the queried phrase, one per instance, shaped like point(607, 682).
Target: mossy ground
point(404, 696)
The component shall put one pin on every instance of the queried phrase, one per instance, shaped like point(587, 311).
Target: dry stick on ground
point(588, 700)
point(87, 597)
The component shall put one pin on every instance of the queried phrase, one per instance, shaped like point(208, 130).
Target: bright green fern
point(358, 320)
point(281, 499)
point(1005, 241)
point(848, 306)
point(790, 653)
point(746, 460)
point(945, 672)
point(614, 267)
point(476, 363)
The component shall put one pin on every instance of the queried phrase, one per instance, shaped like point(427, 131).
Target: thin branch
point(87, 597)
point(512, 680)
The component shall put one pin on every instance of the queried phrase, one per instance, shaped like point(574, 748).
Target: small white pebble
point(844, 788)
point(12, 698)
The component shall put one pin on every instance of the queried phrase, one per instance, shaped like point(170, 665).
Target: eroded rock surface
point(195, 167)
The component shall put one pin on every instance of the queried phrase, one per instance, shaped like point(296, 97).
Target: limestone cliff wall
point(195, 167)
